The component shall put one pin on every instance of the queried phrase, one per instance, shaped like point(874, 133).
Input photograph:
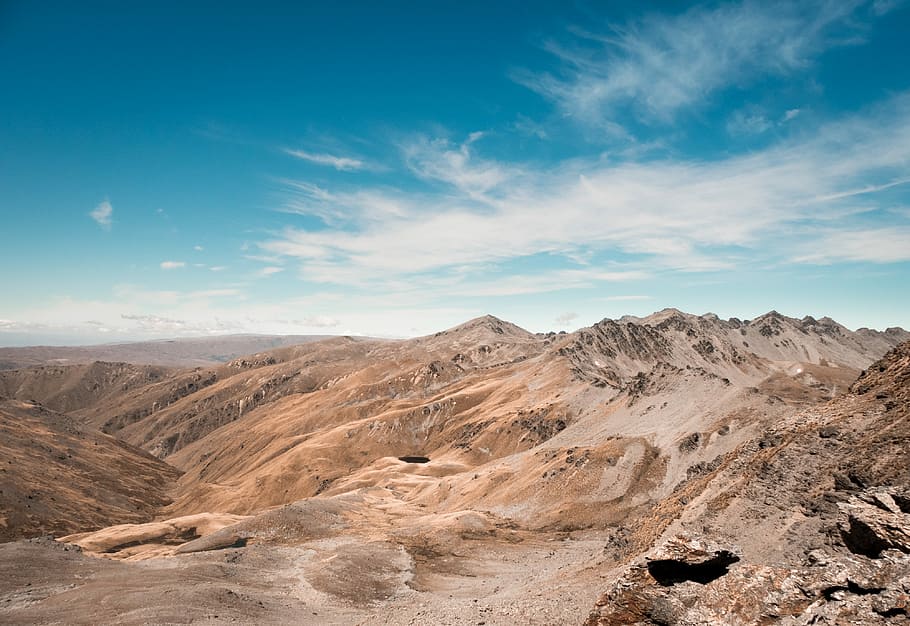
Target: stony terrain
point(483, 474)
point(808, 524)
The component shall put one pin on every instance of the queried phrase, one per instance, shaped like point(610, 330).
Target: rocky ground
point(809, 526)
point(674, 469)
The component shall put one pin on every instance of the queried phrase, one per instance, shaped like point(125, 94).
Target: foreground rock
point(821, 506)
point(686, 583)
point(875, 522)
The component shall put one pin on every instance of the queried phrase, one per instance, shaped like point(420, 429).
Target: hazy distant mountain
point(191, 352)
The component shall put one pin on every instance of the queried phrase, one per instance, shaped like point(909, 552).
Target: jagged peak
point(665, 314)
point(669, 311)
point(771, 316)
point(487, 323)
point(775, 318)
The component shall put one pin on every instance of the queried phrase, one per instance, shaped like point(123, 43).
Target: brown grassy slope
point(74, 387)
point(56, 477)
point(582, 428)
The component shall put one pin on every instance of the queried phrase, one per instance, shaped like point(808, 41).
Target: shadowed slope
point(56, 477)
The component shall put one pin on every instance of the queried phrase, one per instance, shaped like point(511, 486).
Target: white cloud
point(527, 126)
point(566, 318)
point(214, 293)
point(217, 268)
point(198, 248)
point(102, 214)
point(318, 321)
point(268, 271)
point(262, 258)
point(134, 313)
point(155, 323)
point(876, 245)
point(172, 265)
point(523, 284)
point(665, 63)
point(626, 298)
point(753, 122)
point(439, 160)
point(743, 124)
point(361, 206)
point(338, 162)
point(669, 214)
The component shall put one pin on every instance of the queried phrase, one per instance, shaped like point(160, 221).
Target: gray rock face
point(874, 522)
point(688, 581)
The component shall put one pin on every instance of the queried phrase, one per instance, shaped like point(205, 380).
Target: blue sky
point(175, 169)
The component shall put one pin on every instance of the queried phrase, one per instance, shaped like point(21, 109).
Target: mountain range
point(481, 474)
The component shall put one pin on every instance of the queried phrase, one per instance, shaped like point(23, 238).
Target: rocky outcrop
point(688, 581)
point(876, 521)
point(253, 361)
point(829, 491)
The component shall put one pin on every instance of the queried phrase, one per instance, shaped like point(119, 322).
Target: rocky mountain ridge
point(408, 464)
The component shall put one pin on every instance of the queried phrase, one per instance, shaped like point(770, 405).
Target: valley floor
point(542, 579)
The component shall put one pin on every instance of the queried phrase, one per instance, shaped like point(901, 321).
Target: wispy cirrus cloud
point(755, 122)
point(663, 63)
point(172, 265)
point(103, 215)
point(456, 165)
point(626, 298)
point(877, 245)
point(229, 292)
point(358, 206)
point(546, 281)
point(340, 163)
point(672, 214)
point(741, 123)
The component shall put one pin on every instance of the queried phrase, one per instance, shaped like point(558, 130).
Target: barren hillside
point(451, 478)
point(58, 477)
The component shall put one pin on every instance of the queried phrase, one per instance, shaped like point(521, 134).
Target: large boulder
point(688, 582)
point(874, 521)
